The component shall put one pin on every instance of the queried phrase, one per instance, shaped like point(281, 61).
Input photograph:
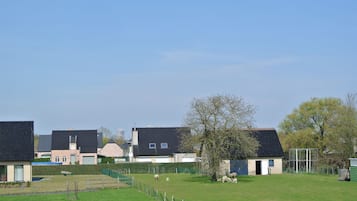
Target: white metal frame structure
point(303, 159)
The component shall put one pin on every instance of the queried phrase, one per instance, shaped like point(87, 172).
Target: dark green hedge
point(41, 160)
point(122, 167)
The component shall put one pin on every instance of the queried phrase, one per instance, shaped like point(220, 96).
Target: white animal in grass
point(233, 175)
point(156, 177)
point(226, 179)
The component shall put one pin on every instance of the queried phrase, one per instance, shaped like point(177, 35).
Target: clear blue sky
point(87, 64)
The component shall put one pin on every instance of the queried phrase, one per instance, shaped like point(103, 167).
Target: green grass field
point(286, 187)
point(121, 194)
point(255, 188)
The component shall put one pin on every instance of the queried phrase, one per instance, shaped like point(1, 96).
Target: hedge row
point(122, 167)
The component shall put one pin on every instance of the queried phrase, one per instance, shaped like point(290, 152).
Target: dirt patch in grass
point(60, 183)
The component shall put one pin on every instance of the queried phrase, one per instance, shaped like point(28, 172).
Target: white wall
point(27, 168)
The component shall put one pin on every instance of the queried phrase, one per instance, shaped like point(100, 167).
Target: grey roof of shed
point(17, 141)
point(44, 143)
point(169, 135)
point(87, 140)
point(269, 143)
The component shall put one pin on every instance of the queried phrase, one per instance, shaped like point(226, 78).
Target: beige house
point(112, 150)
point(71, 147)
point(16, 155)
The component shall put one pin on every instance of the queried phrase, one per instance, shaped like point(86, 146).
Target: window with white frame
point(271, 163)
point(64, 158)
point(57, 159)
point(164, 145)
point(152, 145)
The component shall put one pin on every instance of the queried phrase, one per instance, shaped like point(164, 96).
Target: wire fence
point(148, 190)
point(320, 170)
point(69, 185)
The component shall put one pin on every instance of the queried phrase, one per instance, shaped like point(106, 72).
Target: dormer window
point(164, 145)
point(72, 142)
point(152, 145)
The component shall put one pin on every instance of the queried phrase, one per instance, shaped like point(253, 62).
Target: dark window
point(3, 173)
point(271, 163)
point(152, 145)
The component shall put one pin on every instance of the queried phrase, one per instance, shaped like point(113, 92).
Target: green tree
point(219, 125)
point(329, 124)
point(346, 131)
point(107, 134)
point(314, 119)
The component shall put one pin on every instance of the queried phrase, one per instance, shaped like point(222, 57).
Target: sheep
point(233, 175)
point(226, 179)
point(235, 180)
point(156, 177)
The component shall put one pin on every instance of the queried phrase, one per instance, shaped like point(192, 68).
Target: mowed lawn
point(189, 187)
point(255, 188)
point(124, 194)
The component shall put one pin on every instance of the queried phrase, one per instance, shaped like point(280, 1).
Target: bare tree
point(219, 125)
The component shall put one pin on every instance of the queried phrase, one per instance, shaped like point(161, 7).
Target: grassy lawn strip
point(60, 183)
point(127, 194)
point(254, 188)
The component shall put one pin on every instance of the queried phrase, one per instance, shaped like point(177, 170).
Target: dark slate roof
point(44, 143)
point(169, 135)
point(269, 143)
point(16, 141)
point(86, 140)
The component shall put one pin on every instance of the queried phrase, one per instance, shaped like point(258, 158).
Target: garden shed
point(353, 169)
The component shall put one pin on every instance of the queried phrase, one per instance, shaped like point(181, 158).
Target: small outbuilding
point(353, 169)
point(269, 155)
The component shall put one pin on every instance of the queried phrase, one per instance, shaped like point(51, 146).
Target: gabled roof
point(169, 135)
point(86, 140)
point(269, 143)
point(16, 141)
point(111, 149)
point(44, 143)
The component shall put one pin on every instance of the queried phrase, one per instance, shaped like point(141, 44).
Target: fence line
point(148, 190)
point(321, 170)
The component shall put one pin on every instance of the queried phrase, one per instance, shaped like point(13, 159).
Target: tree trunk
point(214, 177)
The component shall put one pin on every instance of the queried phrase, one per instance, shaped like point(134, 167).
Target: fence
point(320, 170)
point(148, 190)
point(152, 168)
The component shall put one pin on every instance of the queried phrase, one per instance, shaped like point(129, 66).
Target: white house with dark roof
point(16, 151)
point(269, 157)
point(159, 145)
